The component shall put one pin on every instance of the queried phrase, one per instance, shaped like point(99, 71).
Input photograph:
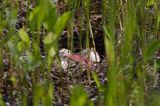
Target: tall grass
point(131, 32)
point(130, 17)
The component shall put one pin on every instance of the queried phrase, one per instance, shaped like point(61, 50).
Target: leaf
point(24, 36)
point(151, 48)
point(80, 97)
point(150, 2)
point(30, 57)
point(1, 101)
point(50, 15)
point(21, 46)
point(52, 52)
point(109, 46)
point(49, 38)
point(44, 13)
point(50, 90)
point(47, 100)
point(38, 94)
point(34, 14)
point(61, 24)
point(95, 77)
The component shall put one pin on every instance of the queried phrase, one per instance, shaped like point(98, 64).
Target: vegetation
point(126, 33)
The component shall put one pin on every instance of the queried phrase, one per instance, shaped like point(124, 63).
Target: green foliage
point(61, 24)
point(43, 94)
point(95, 77)
point(150, 49)
point(1, 101)
point(24, 37)
point(44, 13)
point(80, 97)
point(120, 87)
